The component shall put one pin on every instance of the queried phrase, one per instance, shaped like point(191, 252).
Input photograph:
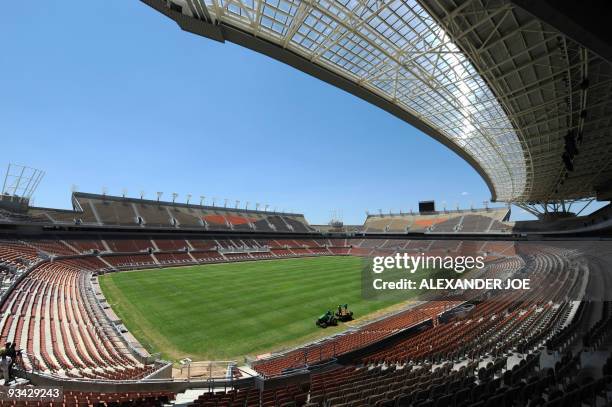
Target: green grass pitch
point(225, 311)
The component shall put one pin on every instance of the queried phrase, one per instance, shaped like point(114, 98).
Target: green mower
point(327, 319)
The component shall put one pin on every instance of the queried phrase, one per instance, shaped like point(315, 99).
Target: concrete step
point(188, 396)
point(15, 381)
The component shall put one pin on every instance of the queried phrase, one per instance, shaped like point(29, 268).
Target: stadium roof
point(503, 89)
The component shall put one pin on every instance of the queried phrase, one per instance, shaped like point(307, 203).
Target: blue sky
point(112, 94)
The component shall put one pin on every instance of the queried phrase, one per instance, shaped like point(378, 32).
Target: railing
point(35, 366)
point(37, 373)
point(30, 364)
point(244, 249)
point(4, 295)
point(207, 369)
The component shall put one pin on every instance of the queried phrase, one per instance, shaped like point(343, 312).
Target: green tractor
point(343, 314)
point(327, 319)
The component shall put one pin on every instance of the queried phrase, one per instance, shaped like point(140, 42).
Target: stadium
point(125, 301)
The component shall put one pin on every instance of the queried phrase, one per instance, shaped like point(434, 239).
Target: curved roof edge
point(223, 32)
